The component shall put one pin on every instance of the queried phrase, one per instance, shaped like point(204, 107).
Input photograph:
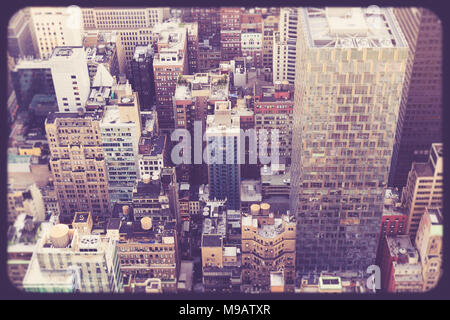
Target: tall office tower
point(20, 41)
point(120, 129)
point(139, 252)
point(230, 33)
point(142, 76)
point(420, 116)
point(274, 107)
point(223, 152)
point(192, 46)
point(424, 188)
point(74, 260)
point(270, 26)
point(70, 77)
point(77, 163)
point(55, 26)
point(284, 46)
point(169, 62)
point(349, 77)
point(103, 48)
point(429, 244)
point(194, 96)
point(268, 244)
point(110, 18)
point(401, 270)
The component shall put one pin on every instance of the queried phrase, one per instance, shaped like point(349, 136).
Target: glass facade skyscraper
point(349, 77)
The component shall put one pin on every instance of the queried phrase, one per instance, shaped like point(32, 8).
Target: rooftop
point(212, 241)
point(160, 232)
point(371, 27)
point(423, 169)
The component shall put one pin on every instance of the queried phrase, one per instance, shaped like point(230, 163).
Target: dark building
point(142, 76)
point(420, 115)
point(29, 81)
point(20, 42)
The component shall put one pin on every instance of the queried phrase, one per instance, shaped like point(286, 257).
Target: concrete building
point(120, 130)
point(345, 116)
point(284, 46)
point(223, 155)
point(420, 115)
point(153, 155)
point(194, 99)
point(208, 20)
point(268, 244)
point(169, 62)
point(147, 249)
point(122, 17)
point(142, 76)
point(230, 32)
point(20, 41)
point(429, 244)
point(157, 197)
point(192, 46)
point(424, 188)
point(250, 194)
point(103, 48)
point(78, 163)
point(269, 28)
point(73, 260)
point(274, 110)
point(393, 220)
point(221, 259)
point(63, 74)
point(26, 201)
point(54, 27)
point(401, 270)
point(70, 77)
point(22, 238)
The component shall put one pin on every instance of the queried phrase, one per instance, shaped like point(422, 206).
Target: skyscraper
point(120, 129)
point(142, 76)
point(223, 151)
point(420, 116)
point(424, 188)
point(284, 47)
point(78, 164)
point(169, 62)
point(349, 77)
point(70, 77)
point(55, 26)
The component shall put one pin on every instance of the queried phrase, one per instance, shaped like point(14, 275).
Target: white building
point(284, 46)
point(73, 261)
point(55, 26)
point(70, 77)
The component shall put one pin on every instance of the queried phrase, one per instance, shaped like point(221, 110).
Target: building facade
point(420, 116)
point(345, 116)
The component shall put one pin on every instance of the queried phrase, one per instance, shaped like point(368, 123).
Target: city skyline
point(227, 149)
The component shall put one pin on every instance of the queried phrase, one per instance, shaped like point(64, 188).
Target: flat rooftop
point(340, 27)
point(212, 241)
point(423, 169)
